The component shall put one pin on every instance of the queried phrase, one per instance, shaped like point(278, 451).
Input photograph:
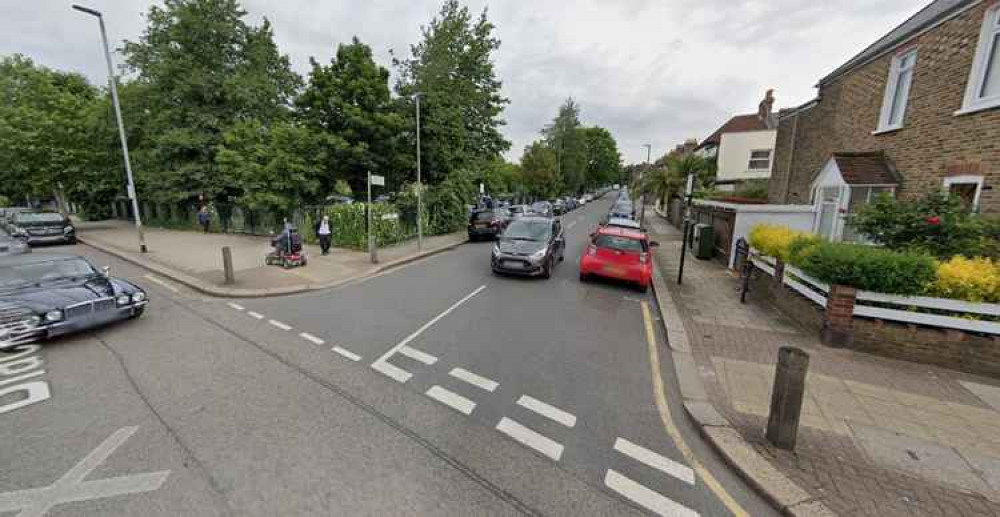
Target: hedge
point(971, 279)
point(867, 267)
point(776, 241)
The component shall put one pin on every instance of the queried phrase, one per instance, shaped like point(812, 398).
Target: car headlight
point(32, 321)
point(53, 316)
point(138, 297)
point(123, 299)
point(538, 254)
point(496, 249)
point(68, 229)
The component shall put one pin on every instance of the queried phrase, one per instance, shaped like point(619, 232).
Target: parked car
point(621, 222)
point(337, 199)
point(6, 214)
point(620, 210)
point(12, 245)
point(43, 296)
point(542, 208)
point(487, 223)
point(42, 227)
point(586, 198)
point(559, 207)
point(518, 210)
point(619, 253)
point(530, 246)
point(571, 203)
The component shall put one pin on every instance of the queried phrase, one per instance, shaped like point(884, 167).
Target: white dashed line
point(473, 379)
point(418, 355)
point(657, 461)
point(547, 410)
point(309, 337)
point(236, 306)
point(257, 315)
point(571, 225)
point(451, 399)
point(529, 438)
point(392, 371)
point(153, 279)
point(346, 353)
point(645, 497)
point(280, 325)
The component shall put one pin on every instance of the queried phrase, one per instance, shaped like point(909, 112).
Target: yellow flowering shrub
point(774, 240)
point(969, 279)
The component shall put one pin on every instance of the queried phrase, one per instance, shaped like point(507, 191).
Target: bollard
point(227, 265)
point(786, 397)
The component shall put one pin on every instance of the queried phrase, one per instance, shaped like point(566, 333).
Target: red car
point(619, 253)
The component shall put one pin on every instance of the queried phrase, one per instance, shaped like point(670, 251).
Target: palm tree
point(667, 181)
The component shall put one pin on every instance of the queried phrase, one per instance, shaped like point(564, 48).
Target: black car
point(42, 227)
point(43, 296)
point(12, 246)
point(487, 223)
point(531, 246)
point(559, 207)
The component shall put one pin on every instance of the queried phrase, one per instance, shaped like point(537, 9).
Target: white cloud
point(650, 71)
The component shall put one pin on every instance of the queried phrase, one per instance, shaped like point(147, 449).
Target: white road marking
point(571, 225)
point(280, 325)
point(309, 337)
point(346, 353)
point(657, 461)
point(236, 306)
point(529, 438)
point(392, 371)
point(418, 355)
point(257, 315)
point(71, 487)
point(547, 410)
point(399, 374)
point(156, 280)
point(473, 379)
point(645, 497)
point(451, 399)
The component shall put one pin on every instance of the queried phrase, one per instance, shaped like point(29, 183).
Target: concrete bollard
point(786, 397)
point(227, 265)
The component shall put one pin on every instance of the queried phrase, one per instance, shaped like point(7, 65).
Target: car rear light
point(643, 257)
point(592, 250)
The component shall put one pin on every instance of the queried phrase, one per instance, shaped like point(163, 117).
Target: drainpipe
point(791, 160)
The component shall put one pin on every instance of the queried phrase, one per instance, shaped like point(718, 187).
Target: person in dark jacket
point(324, 232)
point(204, 218)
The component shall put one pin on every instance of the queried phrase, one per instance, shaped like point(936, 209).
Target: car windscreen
point(615, 242)
point(38, 272)
point(38, 217)
point(528, 230)
point(484, 216)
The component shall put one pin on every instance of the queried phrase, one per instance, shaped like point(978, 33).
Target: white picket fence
point(901, 308)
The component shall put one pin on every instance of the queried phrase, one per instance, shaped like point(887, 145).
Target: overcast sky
point(651, 71)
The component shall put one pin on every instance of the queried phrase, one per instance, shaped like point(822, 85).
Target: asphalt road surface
point(438, 388)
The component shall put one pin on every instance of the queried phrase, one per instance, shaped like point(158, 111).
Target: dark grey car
point(42, 227)
point(43, 296)
point(530, 246)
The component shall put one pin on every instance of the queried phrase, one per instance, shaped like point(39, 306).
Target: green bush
point(350, 228)
point(866, 267)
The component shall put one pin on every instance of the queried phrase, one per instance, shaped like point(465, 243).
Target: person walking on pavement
point(324, 232)
point(204, 218)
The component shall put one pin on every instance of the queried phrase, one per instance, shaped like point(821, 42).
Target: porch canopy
point(848, 181)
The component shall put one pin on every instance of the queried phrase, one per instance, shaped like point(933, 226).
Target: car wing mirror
point(106, 271)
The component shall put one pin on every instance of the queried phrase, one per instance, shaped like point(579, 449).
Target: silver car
point(12, 246)
point(531, 246)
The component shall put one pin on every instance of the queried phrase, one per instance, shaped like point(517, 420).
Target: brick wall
point(933, 142)
point(947, 348)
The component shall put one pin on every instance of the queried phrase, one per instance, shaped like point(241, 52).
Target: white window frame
point(966, 179)
point(751, 159)
point(977, 74)
point(895, 71)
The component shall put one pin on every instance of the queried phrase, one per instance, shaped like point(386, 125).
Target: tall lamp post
point(121, 125)
point(642, 191)
point(420, 187)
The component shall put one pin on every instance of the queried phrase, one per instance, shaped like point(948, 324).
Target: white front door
point(829, 211)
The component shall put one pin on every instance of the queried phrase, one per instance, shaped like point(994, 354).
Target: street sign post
point(372, 250)
point(688, 196)
point(378, 180)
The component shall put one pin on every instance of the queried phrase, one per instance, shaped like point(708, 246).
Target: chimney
point(765, 106)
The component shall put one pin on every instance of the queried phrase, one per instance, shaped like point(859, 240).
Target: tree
point(350, 100)
point(461, 103)
point(205, 70)
point(566, 137)
point(539, 171)
point(278, 166)
point(604, 162)
point(669, 180)
point(46, 124)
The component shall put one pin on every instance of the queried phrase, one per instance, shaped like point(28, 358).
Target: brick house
point(743, 147)
point(917, 111)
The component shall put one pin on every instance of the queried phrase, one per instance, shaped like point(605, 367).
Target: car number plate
point(513, 264)
point(614, 270)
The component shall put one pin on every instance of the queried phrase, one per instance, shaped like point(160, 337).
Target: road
point(433, 389)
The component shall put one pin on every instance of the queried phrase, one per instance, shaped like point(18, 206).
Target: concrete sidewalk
point(877, 436)
point(195, 259)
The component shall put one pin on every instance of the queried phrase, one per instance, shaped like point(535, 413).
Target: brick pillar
point(838, 322)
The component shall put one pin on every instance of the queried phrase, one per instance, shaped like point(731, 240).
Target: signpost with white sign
point(373, 179)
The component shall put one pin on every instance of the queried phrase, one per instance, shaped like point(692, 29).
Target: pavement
point(194, 258)
point(434, 388)
point(877, 436)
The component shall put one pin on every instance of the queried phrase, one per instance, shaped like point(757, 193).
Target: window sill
point(886, 130)
point(975, 108)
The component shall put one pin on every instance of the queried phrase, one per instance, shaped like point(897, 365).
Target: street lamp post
point(420, 203)
point(121, 125)
point(642, 191)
